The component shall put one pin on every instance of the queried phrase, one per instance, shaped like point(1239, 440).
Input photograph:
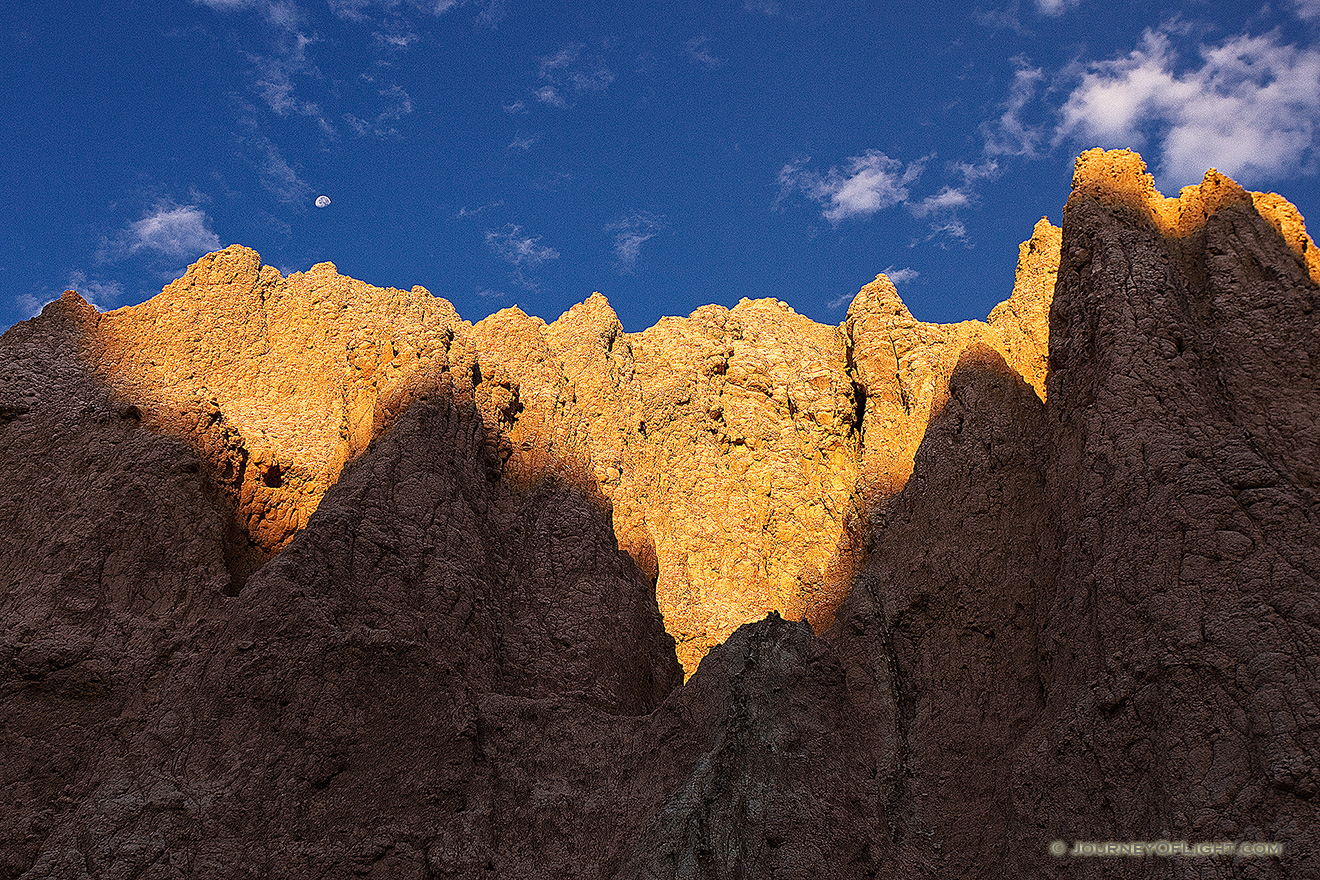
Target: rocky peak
point(739, 449)
point(301, 577)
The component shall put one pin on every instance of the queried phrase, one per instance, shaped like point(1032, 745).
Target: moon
point(322, 201)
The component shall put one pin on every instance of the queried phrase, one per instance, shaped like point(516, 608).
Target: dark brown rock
point(1097, 619)
point(1088, 614)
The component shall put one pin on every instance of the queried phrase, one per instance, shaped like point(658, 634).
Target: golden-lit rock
point(736, 447)
point(274, 380)
point(1102, 600)
point(903, 365)
point(1119, 178)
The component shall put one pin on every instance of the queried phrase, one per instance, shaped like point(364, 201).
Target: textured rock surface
point(108, 542)
point(273, 381)
point(1089, 609)
point(1107, 604)
point(736, 446)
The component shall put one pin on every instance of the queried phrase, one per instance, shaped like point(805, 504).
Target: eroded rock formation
point(391, 629)
point(736, 447)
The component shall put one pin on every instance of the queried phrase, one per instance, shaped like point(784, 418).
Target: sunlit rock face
point(274, 381)
point(362, 590)
point(735, 446)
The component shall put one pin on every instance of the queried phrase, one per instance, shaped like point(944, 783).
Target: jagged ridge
point(1102, 598)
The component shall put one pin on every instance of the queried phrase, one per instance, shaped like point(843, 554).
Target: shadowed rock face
point(736, 447)
point(404, 641)
point(1107, 604)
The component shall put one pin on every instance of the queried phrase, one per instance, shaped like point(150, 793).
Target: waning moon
point(322, 201)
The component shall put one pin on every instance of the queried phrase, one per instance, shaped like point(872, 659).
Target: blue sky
point(502, 152)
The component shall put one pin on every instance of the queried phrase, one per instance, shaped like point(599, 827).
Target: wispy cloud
point(277, 175)
point(514, 246)
point(274, 83)
point(571, 70)
point(29, 306)
point(523, 144)
point(949, 199)
point(359, 10)
point(465, 211)
point(282, 57)
point(1251, 108)
point(867, 184)
point(281, 13)
point(1307, 9)
point(550, 95)
point(1056, 7)
point(101, 294)
point(397, 104)
point(698, 52)
point(491, 14)
point(630, 233)
point(897, 276)
point(173, 232)
point(397, 38)
point(1009, 134)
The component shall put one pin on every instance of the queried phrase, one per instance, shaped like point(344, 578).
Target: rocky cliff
point(302, 577)
point(737, 448)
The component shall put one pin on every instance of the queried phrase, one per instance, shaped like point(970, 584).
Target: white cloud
point(1307, 9)
point(398, 104)
point(896, 276)
point(513, 246)
point(284, 59)
point(1056, 7)
point(30, 306)
point(630, 234)
point(1251, 109)
point(275, 85)
point(550, 95)
point(1009, 134)
point(869, 183)
point(277, 175)
point(356, 10)
point(948, 227)
point(465, 211)
point(282, 13)
point(491, 14)
point(971, 173)
point(99, 293)
point(698, 52)
point(571, 70)
point(175, 232)
point(842, 299)
point(948, 199)
point(397, 39)
point(348, 9)
point(523, 143)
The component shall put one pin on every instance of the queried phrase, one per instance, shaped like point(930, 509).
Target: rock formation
point(301, 577)
point(736, 446)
